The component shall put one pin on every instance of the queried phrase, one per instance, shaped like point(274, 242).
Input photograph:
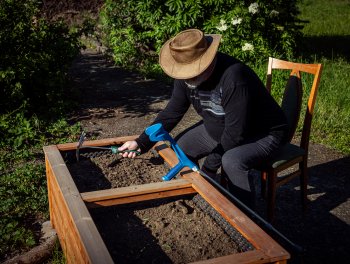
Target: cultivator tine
point(80, 143)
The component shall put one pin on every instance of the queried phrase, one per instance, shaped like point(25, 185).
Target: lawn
point(327, 40)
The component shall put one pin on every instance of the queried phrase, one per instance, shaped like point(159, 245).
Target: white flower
point(253, 8)
point(236, 21)
point(248, 47)
point(274, 13)
point(222, 26)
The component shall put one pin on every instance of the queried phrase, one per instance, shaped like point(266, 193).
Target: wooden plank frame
point(79, 237)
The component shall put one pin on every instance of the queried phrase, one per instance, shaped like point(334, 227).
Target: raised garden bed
point(104, 217)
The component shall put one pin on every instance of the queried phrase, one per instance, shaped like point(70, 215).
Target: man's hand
point(129, 145)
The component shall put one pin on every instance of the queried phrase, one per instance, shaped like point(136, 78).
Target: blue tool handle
point(156, 132)
point(186, 162)
point(173, 172)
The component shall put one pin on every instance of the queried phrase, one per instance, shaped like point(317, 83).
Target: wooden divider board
point(79, 237)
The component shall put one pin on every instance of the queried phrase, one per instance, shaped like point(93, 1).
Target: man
point(242, 126)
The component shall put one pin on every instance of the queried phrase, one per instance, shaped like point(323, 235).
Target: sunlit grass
point(327, 37)
point(326, 17)
point(331, 124)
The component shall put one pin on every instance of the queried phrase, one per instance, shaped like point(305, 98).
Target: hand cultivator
point(156, 133)
point(111, 149)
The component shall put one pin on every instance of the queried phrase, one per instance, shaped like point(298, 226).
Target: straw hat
point(188, 54)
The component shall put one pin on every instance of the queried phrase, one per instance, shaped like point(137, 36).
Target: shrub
point(251, 31)
point(23, 193)
point(35, 56)
point(23, 198)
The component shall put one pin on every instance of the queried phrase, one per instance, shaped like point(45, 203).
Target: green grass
point(57, 255)
point(326, 17)
point(23, 192)
point(331, 124)
point(327, 41)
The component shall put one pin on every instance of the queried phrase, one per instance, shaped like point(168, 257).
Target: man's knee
point(185, 146)
point(233, 161)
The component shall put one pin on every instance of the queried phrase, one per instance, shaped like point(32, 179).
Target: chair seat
point(287, 153)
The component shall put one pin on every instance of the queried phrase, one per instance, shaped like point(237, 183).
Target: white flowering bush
point(251, 30)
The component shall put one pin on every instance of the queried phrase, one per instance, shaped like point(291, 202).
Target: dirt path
point(115, 102)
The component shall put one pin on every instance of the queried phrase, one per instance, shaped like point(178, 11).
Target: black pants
point(237, 162)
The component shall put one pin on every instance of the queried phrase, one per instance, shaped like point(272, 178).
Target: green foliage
point(35, 56)
point(16, 130)
point(136, 30)
point(19, 132)
point(57, 255)
point(23, 197)
point(23, 193)
point(62, 132)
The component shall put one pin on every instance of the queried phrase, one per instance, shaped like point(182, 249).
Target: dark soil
point(111, 171)
point(163, 231)
point(114, 102)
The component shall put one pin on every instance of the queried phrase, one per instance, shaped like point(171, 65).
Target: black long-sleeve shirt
point(234, 104)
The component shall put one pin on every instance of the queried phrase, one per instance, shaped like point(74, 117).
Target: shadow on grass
point(330, 47)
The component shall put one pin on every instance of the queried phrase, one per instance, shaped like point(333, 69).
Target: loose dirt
point(111, 171)
point(170, 231)
point(162, 231)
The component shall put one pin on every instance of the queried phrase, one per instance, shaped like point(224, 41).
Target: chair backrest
point(293, 93)
point(291, 103)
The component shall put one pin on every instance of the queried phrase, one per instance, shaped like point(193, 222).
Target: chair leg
point(223, 181)
point(271, 199)
point(303, 182)
point(263, 184)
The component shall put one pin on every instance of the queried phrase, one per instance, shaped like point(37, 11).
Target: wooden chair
point(291, 154)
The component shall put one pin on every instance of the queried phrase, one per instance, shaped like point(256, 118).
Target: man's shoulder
point(227, 59)
point(231, 64)
point(237, 71)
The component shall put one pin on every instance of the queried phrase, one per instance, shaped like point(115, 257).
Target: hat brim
point(188, 70)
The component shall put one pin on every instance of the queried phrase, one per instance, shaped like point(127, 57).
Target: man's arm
point(170, 116)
